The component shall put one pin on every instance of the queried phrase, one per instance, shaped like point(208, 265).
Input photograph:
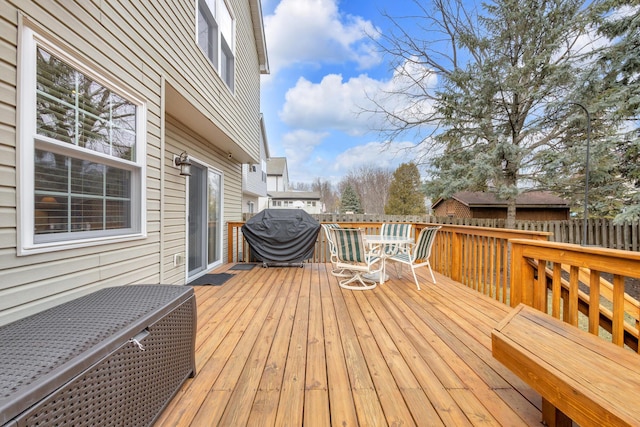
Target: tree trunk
point(511, 213)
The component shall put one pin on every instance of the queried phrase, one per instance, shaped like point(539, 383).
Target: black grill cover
point(281, 235)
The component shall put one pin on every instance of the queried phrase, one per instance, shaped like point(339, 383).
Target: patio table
point(380, 241)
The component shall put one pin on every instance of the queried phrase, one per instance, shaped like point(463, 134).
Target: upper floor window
point(216, 37)
point(82, 152)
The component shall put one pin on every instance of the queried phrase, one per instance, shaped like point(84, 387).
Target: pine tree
point(490, 97)
point(350, 201)
point(618, 93)
point(405, 193)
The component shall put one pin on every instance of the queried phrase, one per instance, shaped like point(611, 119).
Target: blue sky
point(323, 65)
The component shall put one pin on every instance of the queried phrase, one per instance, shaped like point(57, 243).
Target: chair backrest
point(422, 250)
point(327, 231)
point(395, 229)
point(349, 244)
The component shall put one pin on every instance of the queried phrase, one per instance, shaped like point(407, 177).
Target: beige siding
point(179, 139)
point(137, 45)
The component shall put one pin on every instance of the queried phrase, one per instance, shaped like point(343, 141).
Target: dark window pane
point(86, 214)
point(87, 178)
point(50, 214)
point(51, 172)
point(73, 195)
point(118, 214)
point(118, 183)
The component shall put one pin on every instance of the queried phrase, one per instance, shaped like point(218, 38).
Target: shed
point(530, 206)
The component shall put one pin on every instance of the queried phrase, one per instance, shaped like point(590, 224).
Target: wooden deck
point(288, 346)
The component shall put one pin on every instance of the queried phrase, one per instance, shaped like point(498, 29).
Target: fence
point(600, 232)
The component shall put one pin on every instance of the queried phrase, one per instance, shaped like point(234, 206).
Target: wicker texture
point(77, 363)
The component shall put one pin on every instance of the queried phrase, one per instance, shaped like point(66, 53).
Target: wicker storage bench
point(114, 357)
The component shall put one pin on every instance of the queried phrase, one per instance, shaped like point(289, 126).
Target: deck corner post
point(521, 277)
point(456, 256)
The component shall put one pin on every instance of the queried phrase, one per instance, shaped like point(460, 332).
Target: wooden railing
point(474, 256)
point(581, 285)
point(477, 257)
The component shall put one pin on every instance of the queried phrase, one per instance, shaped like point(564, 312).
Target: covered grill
point(281, 236)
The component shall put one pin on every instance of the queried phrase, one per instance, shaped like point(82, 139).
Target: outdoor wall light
point(184, 163)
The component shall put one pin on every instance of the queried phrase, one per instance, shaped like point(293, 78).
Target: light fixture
point(184, 163)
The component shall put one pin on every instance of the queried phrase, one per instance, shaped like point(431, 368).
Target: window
point(216, 37)
point(82, 153)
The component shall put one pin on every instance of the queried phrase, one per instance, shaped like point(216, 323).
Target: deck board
point(288, 346)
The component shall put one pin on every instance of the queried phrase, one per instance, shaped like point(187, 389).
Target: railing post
point(521, 277)
point(456, 257)
point(230, 242)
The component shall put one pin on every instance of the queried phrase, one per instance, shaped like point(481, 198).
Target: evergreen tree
point(492, 95)
point(618, 94)
point(350, 201)
point(405, 192)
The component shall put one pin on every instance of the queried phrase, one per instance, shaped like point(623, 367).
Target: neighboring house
point(531, 206)
point(254, 177)
point(277, 174)
point(98, 100)
point(279, 194)
point(307, 200)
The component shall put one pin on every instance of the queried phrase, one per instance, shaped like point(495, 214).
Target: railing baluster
point(574, 280)
point(618, 310)
point(556, 286)
point(594, 302)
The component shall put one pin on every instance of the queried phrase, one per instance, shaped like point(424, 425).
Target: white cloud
point(376, 153)
point(300, 144)
point(330, 104)
point(347, 105)
point(314, 31)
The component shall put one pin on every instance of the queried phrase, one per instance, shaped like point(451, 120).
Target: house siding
point(254, 183)
point(180, 138)
point(138, 45)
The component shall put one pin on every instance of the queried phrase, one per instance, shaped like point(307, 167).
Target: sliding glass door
point(205, 214)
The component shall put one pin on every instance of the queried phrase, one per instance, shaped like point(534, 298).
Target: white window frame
point(223, 57)
point(28, 139)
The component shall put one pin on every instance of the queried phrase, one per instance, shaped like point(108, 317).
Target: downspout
point(162, 176)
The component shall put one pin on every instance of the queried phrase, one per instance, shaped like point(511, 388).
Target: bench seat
point(580, 376)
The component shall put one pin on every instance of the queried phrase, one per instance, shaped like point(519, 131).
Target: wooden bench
point(579, 376)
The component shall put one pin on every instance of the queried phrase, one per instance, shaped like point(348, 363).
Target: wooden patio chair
point(352, 257)
point(419, 254)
